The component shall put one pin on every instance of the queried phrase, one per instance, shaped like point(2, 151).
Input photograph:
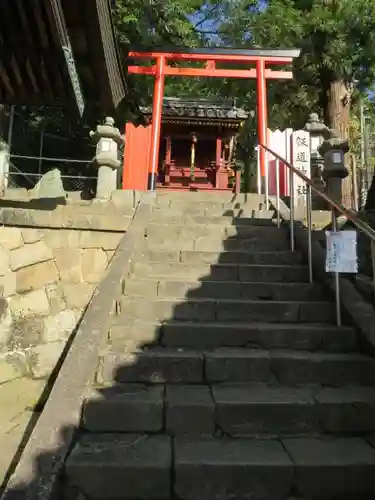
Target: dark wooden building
point(59, 52)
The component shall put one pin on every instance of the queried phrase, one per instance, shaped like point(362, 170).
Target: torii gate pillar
point(210, 57)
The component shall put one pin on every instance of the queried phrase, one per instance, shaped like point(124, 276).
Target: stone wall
point(50, 263)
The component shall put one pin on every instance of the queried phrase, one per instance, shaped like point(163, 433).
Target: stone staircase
point(224, 375)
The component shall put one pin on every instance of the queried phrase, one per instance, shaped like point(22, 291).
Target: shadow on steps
point(224, 377)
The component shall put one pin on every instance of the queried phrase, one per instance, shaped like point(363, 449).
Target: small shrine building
point(197, 146)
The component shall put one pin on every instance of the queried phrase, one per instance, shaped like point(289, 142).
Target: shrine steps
point(241, 310)
point(183, 217)
point(281, 257)
point(223, 271)
point(232, 410)
point(164, 288)
point(181, 334)
point(209, 199)
point(223, 374)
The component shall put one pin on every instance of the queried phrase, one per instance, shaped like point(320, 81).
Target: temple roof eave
point(235, 124)
point(221, 51)
point(66, 56)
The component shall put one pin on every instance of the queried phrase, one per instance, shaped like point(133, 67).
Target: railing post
point(259, 175)
point(309, 232)
point(291, 198)
point(277, 167)
point(334, 159)
point(266, 178)
point(336, 274)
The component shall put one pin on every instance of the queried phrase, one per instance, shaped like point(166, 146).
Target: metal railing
point(33, 177)
point(337, 209)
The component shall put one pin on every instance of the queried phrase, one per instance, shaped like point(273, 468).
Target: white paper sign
point(341, 256)
point(301, 159)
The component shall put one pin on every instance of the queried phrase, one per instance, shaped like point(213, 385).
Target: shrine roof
point(221, 51)
point(196, 109)
point(59, 52)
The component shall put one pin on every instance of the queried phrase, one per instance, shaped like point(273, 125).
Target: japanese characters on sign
point(341, 253)
point(300, 153)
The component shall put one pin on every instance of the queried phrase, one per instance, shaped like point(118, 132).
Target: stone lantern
point(333, 150)
point(108, 139)
point(318, 132)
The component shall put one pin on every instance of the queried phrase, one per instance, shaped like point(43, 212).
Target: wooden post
point(168, 153)
point(168, 159)
point(218, 152)
point(262, 112)
point(221, 180)
point(157, 109)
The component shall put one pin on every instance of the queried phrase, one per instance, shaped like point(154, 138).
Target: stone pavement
point(20, 401)
point(224, 374)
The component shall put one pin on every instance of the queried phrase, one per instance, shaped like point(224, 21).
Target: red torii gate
point(211, 57)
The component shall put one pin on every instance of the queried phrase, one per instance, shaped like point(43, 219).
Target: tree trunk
point(337, 114)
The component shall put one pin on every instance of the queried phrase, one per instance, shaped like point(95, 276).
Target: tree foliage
point(337, 61)
point(336, 66)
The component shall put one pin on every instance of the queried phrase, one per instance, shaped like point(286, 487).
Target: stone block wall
point(48, 273)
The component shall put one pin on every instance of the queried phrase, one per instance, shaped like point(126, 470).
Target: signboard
point(69, 58)
point(341, 253)
point(300, 158)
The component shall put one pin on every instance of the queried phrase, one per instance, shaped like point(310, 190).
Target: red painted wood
point(161, 69)
point(192, 187)
point(219, 147)
point(136, 165)
point(157, 110)
point(262, 113)
point(136, 157)
point(207, 72)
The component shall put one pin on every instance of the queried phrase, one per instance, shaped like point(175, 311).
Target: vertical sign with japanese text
point(300, 155)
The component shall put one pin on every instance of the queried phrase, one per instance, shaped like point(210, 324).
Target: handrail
point(350, 214)
point(336, 209)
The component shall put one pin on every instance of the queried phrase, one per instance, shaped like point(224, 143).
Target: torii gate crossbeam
point(211, 57)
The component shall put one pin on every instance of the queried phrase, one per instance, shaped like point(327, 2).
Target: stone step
point(309, 337)
point(281, 257)
point(203, 244)
point(121, 466)
point(225, 198)
point(243, 411)
point(248, 410)
point(187, 232)
point(236, 310)
point(152, 288)
point(124, 408)
point(221, 272)
point(257, 211)
point(227, 219)
point(115, 466)
point(232, 365)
